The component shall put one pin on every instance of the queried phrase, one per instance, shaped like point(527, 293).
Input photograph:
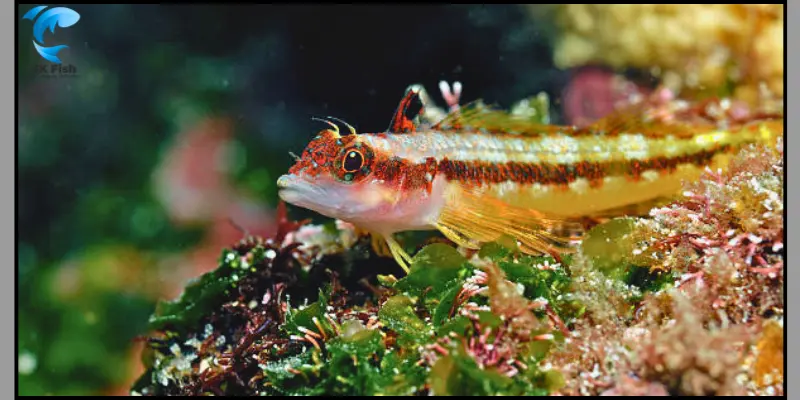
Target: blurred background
point(134, 171)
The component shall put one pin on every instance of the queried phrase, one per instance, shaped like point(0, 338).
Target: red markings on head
point(318, 155)
point(346, 158)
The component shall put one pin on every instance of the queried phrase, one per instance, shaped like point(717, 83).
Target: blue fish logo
point(62, 16)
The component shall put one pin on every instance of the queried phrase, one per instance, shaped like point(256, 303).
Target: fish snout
point(284, 181)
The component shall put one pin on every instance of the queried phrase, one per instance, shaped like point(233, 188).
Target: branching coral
point(693, 46)
point(688, 357)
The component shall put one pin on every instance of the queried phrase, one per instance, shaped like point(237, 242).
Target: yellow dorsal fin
point(476, 115)
point(634, 119)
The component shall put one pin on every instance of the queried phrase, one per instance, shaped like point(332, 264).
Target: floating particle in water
point(27, 363)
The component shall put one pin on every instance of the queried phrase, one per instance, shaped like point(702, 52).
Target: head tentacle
point(349, 127)
point(334, 126)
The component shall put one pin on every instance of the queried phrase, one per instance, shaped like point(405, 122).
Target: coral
point(594, 92)
point(688, 357)
point(725, 237)
point(689, 300)
point(694, 47)
point(636, 387)
point(763, 367)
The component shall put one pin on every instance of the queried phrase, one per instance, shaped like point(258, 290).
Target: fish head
point(336, 176)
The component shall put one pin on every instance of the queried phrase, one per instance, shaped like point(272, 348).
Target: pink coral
point(594, 93)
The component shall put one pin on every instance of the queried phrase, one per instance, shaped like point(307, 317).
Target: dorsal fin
point(476, 116)
point(633, 119)
point(685, 121)
point(409, 108)
point(636, 119)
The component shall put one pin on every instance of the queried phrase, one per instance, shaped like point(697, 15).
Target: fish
point(480, 173)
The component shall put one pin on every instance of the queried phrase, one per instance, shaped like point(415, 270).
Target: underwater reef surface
point(686, 301)
point(725, 49)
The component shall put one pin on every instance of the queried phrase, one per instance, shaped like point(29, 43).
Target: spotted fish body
point(479, 173)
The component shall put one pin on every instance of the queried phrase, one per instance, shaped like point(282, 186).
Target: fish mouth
point(291, 189)
point(318, 195)
point(299, 192)
point(285, 182)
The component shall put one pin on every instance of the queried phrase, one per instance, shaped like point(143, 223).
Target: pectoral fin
point(471, 218)
point(386, 246)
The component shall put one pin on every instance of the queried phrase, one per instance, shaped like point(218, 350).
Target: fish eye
point(353, 161)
